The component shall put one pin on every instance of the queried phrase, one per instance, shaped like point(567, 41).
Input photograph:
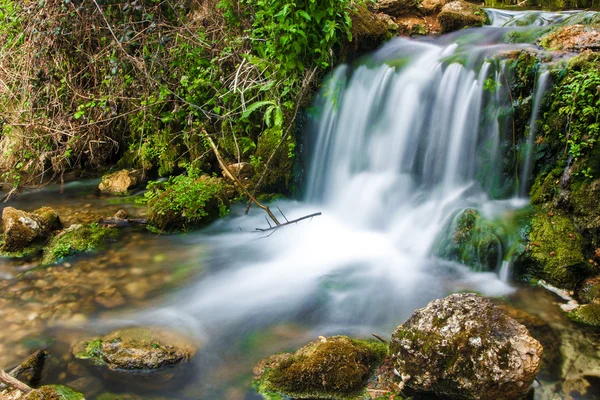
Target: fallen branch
point(14, 383)
point(382, 340)
point(123, 223)
point(236, 181)
point(289, 223)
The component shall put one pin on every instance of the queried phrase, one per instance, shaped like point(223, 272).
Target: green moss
point(471, 240)
point(588, 314)
point(337, 368)
point(545, 187)
point(555, 249)
point(54, 392)
point(77, 239)
point(185, 202)
point(31, 251)
point(280, 176)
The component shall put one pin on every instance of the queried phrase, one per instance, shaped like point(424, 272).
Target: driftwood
point(14, 383)
point(123, 223)
point(272, 228)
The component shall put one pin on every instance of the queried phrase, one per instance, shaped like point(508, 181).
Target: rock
point(429, 7)
point(473, 241)
point(77, 239)
point(369, 30)
point(460, 14)
point(242, 170)
point(22, 228)
point(589, 291)
point(555, 251)
point(121, 214)
point(329, 368)
point(54, 392)
point(396, 8)
point(588, 314)
point(137, 349)
point(120, 182)
point(465, 347)
point(572, 38)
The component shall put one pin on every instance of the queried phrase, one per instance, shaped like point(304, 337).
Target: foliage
point(576, 111)
point(76, 239)
point(185, 201)
point(90, 82)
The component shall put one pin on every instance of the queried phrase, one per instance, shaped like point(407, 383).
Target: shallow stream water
point(398, 144)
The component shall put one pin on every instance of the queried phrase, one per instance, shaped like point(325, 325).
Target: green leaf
point(255, 106)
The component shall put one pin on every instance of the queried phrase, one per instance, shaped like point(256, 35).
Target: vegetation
point(149, 76)
point(76, 239)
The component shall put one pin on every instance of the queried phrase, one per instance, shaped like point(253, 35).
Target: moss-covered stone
point(22, 228)
point(369, 31)
point(460, 14)
point(588, 314)
point(54, 392)
point(473, 241)
point(555, 251)
point(546, 187)
point(280, 176)
point(186, 202)
point(77, 239)
point(464, 347)
point(137, 349)
point(330, 368)
point(589, 291)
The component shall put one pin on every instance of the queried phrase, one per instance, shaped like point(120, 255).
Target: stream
point(397, 144)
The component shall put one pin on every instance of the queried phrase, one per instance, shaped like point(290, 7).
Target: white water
point(396, 153)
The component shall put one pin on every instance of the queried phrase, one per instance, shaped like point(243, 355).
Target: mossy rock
point(589, 291)
point(588, 314)
point(586, 207)
point(54, 392)
point(460, 14)
point(77, 239)
point(21, 229)
point(555, 251)
point(397, 8)
point(369, 31)
point(546, 187)
point(471, 240)
point(280, 176)
point(465, 347)
point(136, 349)
point(571, 38)
point(330, 368)
point(186, 202)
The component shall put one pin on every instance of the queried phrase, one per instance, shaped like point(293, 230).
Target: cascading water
point(400, 145)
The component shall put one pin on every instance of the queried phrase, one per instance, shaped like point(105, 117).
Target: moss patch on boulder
point(571, 38)
point(555, 251)
point(137, 349)
point(185, 202)
point(54, 392)
point(589, 291)
point(330, 368)
point(77, 239)
point(588, 314)
point(460, 14)
point(473, 241)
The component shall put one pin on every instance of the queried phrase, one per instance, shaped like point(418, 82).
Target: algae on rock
point(330, 368)
point(77, 239)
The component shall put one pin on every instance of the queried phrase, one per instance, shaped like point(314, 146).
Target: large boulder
point(465, 347)
point(460, 14)
point(572, 38)
point(120, 182)
point(330, 368)
point(136, 349)
point(22, 228)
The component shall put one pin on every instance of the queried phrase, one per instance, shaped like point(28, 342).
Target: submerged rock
point(137, 349)
point(465, 347)
point(120, 182)
point(330, 368)
point(460, 14)
point(22, 228)
point(77, 239)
